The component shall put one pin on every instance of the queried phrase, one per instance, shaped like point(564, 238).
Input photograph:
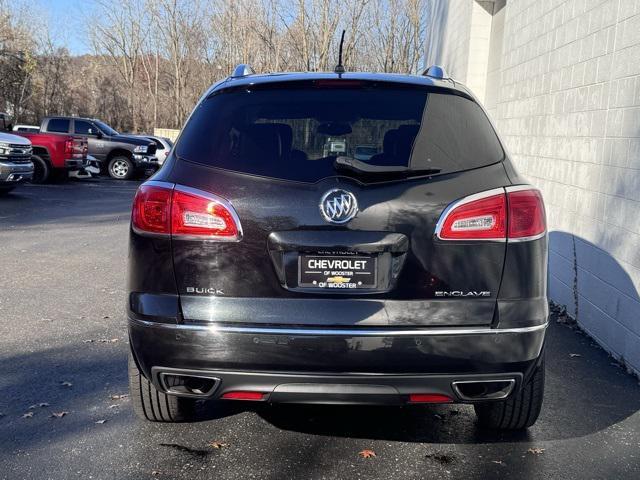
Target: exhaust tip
point(188, 385)
point(474, 390)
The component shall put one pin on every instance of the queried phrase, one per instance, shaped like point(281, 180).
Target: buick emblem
point(338, 206)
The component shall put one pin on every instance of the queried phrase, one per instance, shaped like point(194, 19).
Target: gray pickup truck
point(15, 160)
point(121, 156)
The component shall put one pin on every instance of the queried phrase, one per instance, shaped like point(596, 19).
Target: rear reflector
point(517, 214)
point(243, 396)
point(183, 212)
point(429, 398)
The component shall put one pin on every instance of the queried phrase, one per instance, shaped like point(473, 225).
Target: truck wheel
point(41, 169)
point(121, 168)
point(151, 404)
point(517, 412)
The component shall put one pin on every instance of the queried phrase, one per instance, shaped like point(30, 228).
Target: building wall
point(563, 86)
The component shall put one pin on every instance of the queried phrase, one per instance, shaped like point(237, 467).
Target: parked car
point(121, 156)
point(26, 128)
point(55, 156)
point(15, 159)
point(264, 266)
point(163, 147)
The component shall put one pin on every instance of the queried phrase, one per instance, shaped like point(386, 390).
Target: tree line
point(152, 59)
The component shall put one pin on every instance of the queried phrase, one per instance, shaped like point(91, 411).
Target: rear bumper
point(363, 365)
point(146, 162)
point(74, 164)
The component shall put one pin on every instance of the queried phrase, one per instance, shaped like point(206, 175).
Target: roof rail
point(242, 70)
point(436, 71)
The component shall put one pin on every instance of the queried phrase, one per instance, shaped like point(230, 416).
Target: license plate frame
point(338, 272)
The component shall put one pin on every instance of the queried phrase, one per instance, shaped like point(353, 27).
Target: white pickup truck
point(15, 160)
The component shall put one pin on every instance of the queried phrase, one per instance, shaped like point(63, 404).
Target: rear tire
point(121, 168)
point(151, 404)
point(518, 412)
point(41, 169)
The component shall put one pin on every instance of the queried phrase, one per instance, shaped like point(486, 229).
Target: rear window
point(58, 125)
point(297, 133)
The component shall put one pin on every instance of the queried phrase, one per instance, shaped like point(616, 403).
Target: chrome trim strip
point(363, 332)
point(158, 183)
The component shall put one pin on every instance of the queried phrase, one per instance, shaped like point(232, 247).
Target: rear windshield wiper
point(364, 168)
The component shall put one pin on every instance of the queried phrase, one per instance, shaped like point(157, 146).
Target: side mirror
point(99, 134)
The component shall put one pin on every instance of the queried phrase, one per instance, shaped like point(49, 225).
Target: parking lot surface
point(63, 351)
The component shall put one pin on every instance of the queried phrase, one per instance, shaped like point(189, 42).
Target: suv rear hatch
point(290, 159)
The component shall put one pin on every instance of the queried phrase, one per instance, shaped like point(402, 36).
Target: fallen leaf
point(439, 417)
point(573, 355)
point(536, 451)
point(499, 462)
point(58, 414)
point(115, 405)
point(100, 422)
point(155, 473)
point(108, 340)
point(105, 317)
point(216, 444)
point(119, 397)
point(90, 340)
point(27, 415)
point(367, 453)
point(43, 404)
point(66, 384)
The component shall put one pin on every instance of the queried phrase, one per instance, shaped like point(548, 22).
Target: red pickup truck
point(55, 155)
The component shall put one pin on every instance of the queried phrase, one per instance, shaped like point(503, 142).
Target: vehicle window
point(159, 145)
point(106, 128)
point(85, 128)
point(58, 125)
point(297, 133)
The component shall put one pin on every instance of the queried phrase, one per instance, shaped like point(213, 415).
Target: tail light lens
point(194, 214)
point(151, 209)
point(527, 217)
point(184, 212)
point(516, 214)
point(68, 146)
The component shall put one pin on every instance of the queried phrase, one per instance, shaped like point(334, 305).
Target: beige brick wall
point(563, 86)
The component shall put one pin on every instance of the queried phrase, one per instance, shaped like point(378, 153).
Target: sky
point(65, 18)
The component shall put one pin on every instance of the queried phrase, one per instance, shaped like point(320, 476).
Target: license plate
point(337, 272)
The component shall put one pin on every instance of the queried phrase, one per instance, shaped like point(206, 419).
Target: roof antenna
point(339, 67)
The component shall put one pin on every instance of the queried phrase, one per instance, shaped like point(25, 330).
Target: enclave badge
point(338, 206)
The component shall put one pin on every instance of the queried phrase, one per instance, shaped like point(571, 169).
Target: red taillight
point(183, 212)
point(243, 396)
point(495, 215)
point(193, 214)
point(429, 398)
point(151, 211)
point(526, 214)
point(68, 146)
point(476, 219)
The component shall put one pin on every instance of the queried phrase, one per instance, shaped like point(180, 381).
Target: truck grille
point(16, 153)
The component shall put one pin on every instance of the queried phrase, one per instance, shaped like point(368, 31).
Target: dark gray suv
point(269, 263)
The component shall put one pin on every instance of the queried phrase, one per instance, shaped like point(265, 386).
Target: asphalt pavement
point(64, 413)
